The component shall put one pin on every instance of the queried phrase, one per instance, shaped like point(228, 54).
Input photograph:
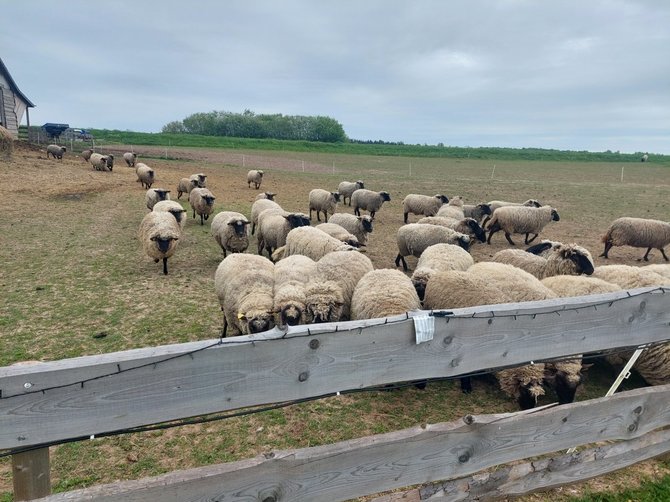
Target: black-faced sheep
point(159, 234)
point(639, 233)
point(346, 188)
point(56, 151)
point(102, 162)
point(244, 284)
point(478, 212)
point(174, 208)
point(311, 242)
point(258, 207)
point(185, 186)
point(292, 276)
point(414, 238)
point(255, 176)
point(86, 154)
point(562, 259)
point(265, 195)
point(130, 158)
point(368, 200)
point(340, 233)
point(426, 205)
point(202, 202)
point(273, 227)
point(230, 231)
point(383, 293)
point(322, 201)
point(521, 220)
point(360, 226)
point(200, 178)
point(155, 195)
point(495, 204)
point(467, 226)
point(145, 175)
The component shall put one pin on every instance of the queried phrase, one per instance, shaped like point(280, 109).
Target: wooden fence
point(77, 398)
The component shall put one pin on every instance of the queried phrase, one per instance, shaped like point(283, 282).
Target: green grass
point(649, 491)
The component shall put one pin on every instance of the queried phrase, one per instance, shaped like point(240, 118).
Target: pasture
point(75, 281)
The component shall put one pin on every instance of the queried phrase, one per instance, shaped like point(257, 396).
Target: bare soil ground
point(74, 281)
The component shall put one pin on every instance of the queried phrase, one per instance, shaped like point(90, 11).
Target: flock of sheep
point(315, 274)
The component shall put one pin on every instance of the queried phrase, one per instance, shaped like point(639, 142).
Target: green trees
point(250, 125)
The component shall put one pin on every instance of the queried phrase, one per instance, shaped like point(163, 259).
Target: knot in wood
point(463, 458)
point(638, 410)
point(469, 419)
point(303, 376)
point(632, 427)
point(490, 321)
point(271, 498)
point(314, 344)
point(447, 340)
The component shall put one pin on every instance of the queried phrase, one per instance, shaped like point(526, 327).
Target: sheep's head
point(255, 321)
point(527, 384)
point(579, 256)
point(484, 208)
point(202, 180)
point(177, 213)
point(297, 220)
point(366, 221)
point(565, 383)
point(161, 193)
point(476, 229)
point(270, 195)
point(193, 183)
point(209, 199)
point(260, 173)
point(442, 198)
point(292, 313)
point(360, 184)
point(164, 242)
point(463, 241)
point(532, 203)
point(239, 226)
point(419, 280)
point(336, 196)
point(554, 215)
point(324, 302)
point(385, 196)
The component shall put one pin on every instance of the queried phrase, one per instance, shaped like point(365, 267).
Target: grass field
point(74, 281)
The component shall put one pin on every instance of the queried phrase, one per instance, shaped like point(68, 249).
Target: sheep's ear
point(539, 248)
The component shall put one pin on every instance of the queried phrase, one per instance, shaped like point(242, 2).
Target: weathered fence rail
point(61, 400)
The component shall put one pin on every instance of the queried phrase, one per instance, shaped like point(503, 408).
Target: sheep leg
point(194, 213)
point(663, 253)
point(608, 246)
point(325, 216)
point(310, 214)
point(372, 214)
point(404, 217)
point(529, 241)
point(466, 385)
point(399, 259)
point(165, 270)
point(225, 327)
point(646, 255)
point(486, 220)
point(357, 211)
point(494, 228)
point(202, 219)
point(509, 238)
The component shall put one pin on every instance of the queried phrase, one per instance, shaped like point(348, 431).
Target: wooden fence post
point(32, 477)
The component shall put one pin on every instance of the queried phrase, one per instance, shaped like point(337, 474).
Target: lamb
point(414, 238)
point(639, 233)
point(174, 208)
point(86, 154)
point(229, 230)
point(360, 226)
point(383, 293)
point(244, 284)
point(478, 212)
point(521, 220)
point(368, 200)
point(200, 178)
point(346, 188)
point(56, 151)
point(258, 207)
point(467, 226)
point(564, 259)
point(335, 230)
point(130, 158)
point(322, 201)
point(344, 269)
point(266, 195)
point(202, 202)
point(185, 186)
point(155, 195)
point(145, 175)
point(425, 205)
point(439, 258)
point(159, 234)
point(311, 242)
point(102, 162)
point(255, 176)
point(291, 277)
point(495, 204)
point(273, 227)
point(629, 277)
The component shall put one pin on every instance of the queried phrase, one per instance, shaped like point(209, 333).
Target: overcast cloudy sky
point(578, 75)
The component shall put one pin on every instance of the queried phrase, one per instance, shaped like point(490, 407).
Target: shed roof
point(12, 84)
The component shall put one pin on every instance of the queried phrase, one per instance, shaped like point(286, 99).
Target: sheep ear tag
point(241, 316)
point(424, 328)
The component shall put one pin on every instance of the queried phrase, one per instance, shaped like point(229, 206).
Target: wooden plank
point(104, 393)
point(31, 474)
point(388, 461)
point(522, 479)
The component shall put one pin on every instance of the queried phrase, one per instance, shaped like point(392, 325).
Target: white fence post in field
point(244, 162)
point(303, 166)
point(410, 169)
point(493, 171)
point(622, 174)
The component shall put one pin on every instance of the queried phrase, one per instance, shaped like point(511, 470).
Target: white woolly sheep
point(629, 277)
point(340, 233)
point(255, 176)
point(383, 293)
point(200, 178)
point(467, 226)
point(291, 277)
point(185, 186)
point(414, 238)
point(660, 269)
point(447, 211)
point(155, 195)
point(86, 154)
point(478, 212)
point(56, 151)
point(495, 204)
point(639, 233)
point(322, 201)
point(174, 208)
point(426, 205)
point(202, 202)
point(130, 158)
point(265, 195)
point(521, 220)
point(345, 269)
point(346, 188)
point(439, 258)
point(324, 302)
point(311, 242)
point(230, 231)
point(565, 259)
point(644, 158)
point(360, 226)
point(368, 200)
point(273, 227)
point(577, 285)
point(258, 207)
point(145, 175)
point(159, 234)
point(244, 284)
point(102, 162)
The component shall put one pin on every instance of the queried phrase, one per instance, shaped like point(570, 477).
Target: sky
point(571, 75)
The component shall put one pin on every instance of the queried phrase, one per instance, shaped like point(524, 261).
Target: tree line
point(260, 126)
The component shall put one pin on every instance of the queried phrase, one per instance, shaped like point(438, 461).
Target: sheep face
point(110, 161)
point(484, 208)
point(367, 223)
point(256, 321)
point(324, 302)
point(239, 226)
point(582, 262)
point(270, 195)
point(385, 196)
point(554, 215)
point(324, 312)
point(202, 180)
point(297, 220)
point(533, 203)
point(291, 314)
point(420, 288)
point(564, 384)
point(177, 213)
point(162, 194)
point(443, 198)
point(477, 230)
point(360, 184)
point(464, 242)
point(163, 244)
point(336, 196)
point(209, 199)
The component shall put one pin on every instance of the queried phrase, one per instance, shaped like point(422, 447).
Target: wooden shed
point(13, 103)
